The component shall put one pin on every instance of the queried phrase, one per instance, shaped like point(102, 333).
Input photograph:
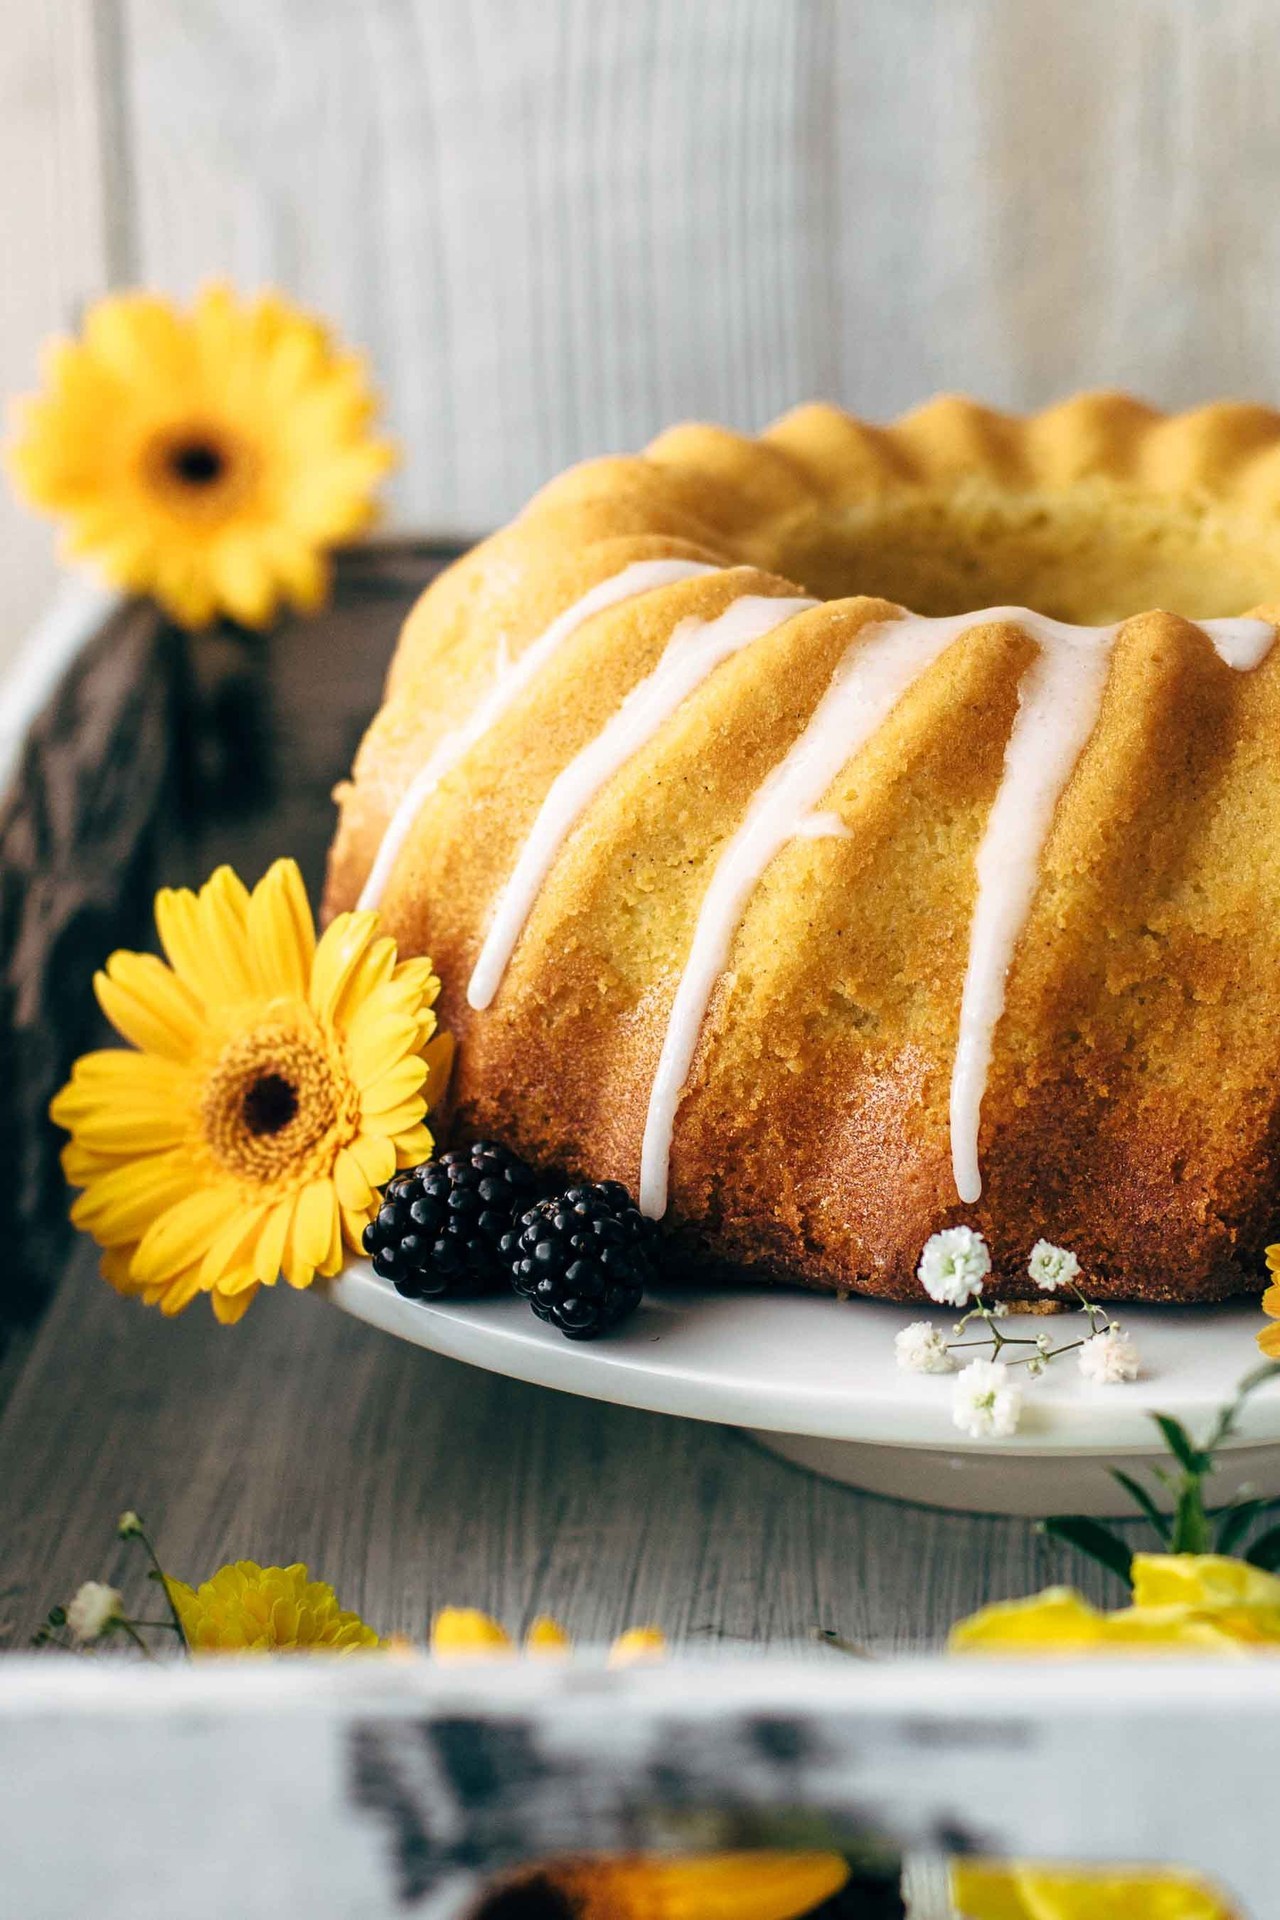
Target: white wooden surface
point(363, 1788)
point(557, 225)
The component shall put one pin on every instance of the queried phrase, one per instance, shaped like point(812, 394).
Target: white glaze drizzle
point(510, 681)
point(695, 649)
point(1058, 708)
point(870, 679)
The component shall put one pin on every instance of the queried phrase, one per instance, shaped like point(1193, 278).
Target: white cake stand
point(814, 1379)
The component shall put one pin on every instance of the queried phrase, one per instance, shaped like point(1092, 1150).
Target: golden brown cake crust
point(1131, 1111)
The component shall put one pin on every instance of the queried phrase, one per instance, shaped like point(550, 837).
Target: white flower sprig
point(987, 1402)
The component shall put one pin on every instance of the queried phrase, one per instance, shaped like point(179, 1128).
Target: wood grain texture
point(52, 222)
point(412, 1482)
point(559, 225)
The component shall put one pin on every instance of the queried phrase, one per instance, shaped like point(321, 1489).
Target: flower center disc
point(272, 1097)
point(197, 463)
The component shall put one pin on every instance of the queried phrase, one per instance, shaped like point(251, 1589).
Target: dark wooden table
point(405, 1479)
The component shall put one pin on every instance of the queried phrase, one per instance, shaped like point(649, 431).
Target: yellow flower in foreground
point(1197, 1602)
point(984, 1890)
point(1269, 1338)
point(209, 457)
point(716, 1886)
point(246, 1608)
point(1193, 1603)
point(464, 1633)
point(277, 1082)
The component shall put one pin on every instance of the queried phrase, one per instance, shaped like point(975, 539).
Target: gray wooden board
point(410, 1482)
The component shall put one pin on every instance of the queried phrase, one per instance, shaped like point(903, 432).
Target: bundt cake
point(823, 924)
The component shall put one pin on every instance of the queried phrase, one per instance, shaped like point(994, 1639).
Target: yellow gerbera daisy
point(278, 1082)
point(207, 457)
point(246, 1608)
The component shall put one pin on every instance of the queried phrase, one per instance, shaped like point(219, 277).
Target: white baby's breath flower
point(1052, 1267)
point(953, 1266)
point(92, 1611)
point(986, 1403)
point(922, 1348)
point(1109, 1358)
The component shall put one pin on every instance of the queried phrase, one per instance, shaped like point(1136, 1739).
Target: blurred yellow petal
point(546, 1639)
point(461, 1633)
point(991, 1890)
point(207, 456)
point(120, 1205)
point(636, 1645)
point(717, 1886)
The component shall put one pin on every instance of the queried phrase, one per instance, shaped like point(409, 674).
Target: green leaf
point(1265, 1550)
point(1180, 1444)
point(1138, 1493)
point(1190, 1522)
point(1235, 1522)
point(1088, 1537)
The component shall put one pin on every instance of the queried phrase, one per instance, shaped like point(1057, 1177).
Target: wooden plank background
point(557, 225)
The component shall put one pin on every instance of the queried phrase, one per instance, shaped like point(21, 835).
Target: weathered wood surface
point(355, 1791)
point(559, 225)
point(412, 1482)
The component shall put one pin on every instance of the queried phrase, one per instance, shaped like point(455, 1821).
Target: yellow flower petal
point(230, 1309)
point(354, 1191)
point(1200, 1580)
point(182, 1234)
point(637, 1645)
point(378, 1042)
point(176, 1295)
point(462, 1633)
point(120, 1205)
point(149, 1005)
point(282, 937)
point(341, 948)
point(375, 1156)
point(1269, 1342)
point(992, 1890)
point(312, 1233)
point(438, 1054)
point(546, 1639)
point(415, 1146)
point(393, 1089)
point(269, 1254)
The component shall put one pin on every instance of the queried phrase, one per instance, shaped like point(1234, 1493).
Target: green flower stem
point(175, 1620)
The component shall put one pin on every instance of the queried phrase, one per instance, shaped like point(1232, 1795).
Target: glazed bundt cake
point(824, 924)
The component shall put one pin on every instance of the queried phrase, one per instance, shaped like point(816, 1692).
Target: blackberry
point(583, 1258)
point(439, 1229)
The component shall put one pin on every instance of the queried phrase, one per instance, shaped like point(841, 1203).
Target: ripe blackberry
point(439, 1229)
point(583, 1258)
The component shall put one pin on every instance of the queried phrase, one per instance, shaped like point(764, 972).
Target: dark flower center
point(197, 463)
point(270, 1103)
